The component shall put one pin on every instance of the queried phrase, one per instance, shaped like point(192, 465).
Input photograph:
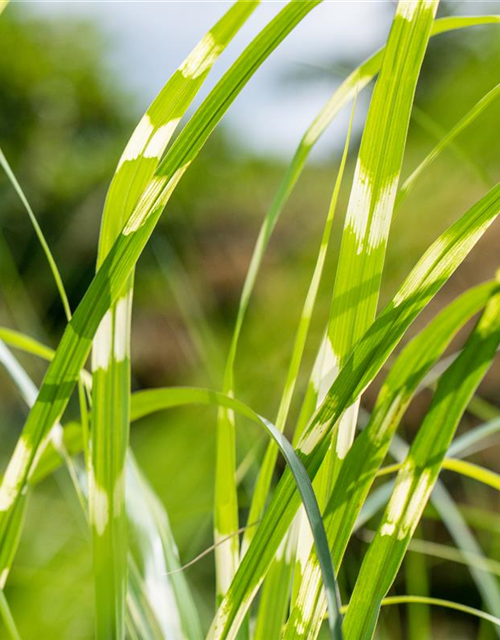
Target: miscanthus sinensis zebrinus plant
point(276, 568)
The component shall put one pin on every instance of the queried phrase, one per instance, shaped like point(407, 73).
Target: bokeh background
point(74, 79)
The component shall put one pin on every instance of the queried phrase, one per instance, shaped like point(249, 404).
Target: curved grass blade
point(474, 471)
point(462, 467)
point(110, 355)
point(467, 551)
point(5, 611)
point(275, 593)
point(39, 233)
point(428, 276)
point(26, 343)
point(166, 590)
point(446, 552)
point(446, 140)
point(145, 402)
point(159, 606)
point(438, 602)
point(419, 473)
point(111, 278)
point(453, 519)
point(432, 128)
point(467, 441)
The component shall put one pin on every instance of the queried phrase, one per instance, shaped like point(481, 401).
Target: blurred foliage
point(64, 120)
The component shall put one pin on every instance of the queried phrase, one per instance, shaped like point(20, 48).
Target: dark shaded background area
point(63, 123)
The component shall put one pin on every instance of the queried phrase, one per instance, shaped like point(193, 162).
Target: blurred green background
point(64, 120)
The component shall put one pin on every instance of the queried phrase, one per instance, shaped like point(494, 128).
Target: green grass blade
point(39, 233)
point(474, 471)
point(110, 355)
point(462, 467)
point(5, 611)
point(455, 522)
point(148, 142)
point(26, 343)
point(373, 194)
point(469, 440)
point(417, 580)
point(431, 127)
point(427, 277)
point(447, 552)
point(438, 602)
point(166, 590)
point(446, 140)
point(265, 474)
point(419, 473)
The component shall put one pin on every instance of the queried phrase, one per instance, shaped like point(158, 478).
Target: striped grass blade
point(149, 612)
point(373, 195)
point(111, 347)
point(459, 531)
point(367, 223)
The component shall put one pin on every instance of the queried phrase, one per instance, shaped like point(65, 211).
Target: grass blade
point(373, 195)
point(110, 355)
point(5, 612)
point(166, 590)
point(39, 233)
point(455, 522)
point(446, 140)
point(438, 602)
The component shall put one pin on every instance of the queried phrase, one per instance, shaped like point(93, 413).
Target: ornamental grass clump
point(276, 563)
